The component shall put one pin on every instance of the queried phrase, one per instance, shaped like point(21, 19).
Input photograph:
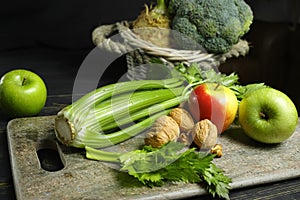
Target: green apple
point(22, 93)
point(268, 115)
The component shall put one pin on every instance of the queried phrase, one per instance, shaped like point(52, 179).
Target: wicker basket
point(139, 51)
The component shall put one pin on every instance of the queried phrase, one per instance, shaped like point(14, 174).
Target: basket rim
point(100, 37)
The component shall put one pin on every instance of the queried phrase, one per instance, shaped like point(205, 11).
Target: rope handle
point(101, 37)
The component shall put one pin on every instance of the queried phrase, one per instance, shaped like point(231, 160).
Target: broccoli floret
point(245, 15)
point(173, 6)
point(187, 35)
point(216, 25)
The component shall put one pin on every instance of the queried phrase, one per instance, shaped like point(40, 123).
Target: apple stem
point(262, 115)
point(23, 81)
point(218, 84)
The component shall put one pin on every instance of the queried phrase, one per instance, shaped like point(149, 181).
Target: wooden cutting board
point(44, 169)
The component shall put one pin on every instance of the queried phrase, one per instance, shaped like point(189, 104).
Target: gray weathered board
point(247, 162)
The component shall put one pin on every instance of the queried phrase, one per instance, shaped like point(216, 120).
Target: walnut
point(163, 130)
point(205, 134)
point(217, 149)
point(183, 119)
point(185, 138)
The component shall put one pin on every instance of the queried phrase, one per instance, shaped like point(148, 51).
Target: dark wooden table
point(58, 68)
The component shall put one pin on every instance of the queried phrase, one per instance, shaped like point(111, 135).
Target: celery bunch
point(114, 113)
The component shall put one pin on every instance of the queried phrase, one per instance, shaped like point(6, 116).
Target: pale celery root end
point(64, 130)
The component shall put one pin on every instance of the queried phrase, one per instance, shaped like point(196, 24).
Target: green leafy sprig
point(170, 163)
point(195, 76)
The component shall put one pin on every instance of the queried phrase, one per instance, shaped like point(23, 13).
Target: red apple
point(214, 102)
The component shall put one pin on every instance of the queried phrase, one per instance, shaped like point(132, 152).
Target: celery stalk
point(121, 121)
point(78, 111)
point(106, 156)
point(134, 102)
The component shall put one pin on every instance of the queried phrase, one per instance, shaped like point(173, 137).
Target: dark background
point(63, 24)
point(66, 26)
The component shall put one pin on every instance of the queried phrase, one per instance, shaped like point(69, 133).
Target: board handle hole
point(49, 155)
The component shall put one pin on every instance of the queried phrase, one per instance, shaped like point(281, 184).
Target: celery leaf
point(173, 162)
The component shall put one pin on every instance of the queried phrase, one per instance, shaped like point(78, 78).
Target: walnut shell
point(217, 149)
point(205, 134)
point(183, 118)
point(185, 138)
point(163, 130)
